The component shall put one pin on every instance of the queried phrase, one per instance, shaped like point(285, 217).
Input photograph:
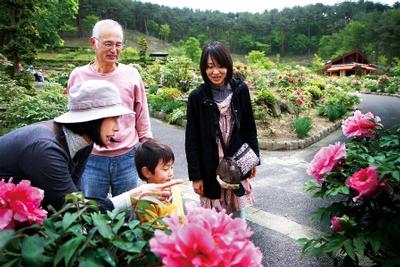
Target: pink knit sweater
point(133, 127)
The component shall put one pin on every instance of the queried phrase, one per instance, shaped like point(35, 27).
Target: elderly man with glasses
point(112, 169)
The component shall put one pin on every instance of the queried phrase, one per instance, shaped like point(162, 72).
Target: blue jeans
point(101, 173)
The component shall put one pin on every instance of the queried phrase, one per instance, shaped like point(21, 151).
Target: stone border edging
point(380, 93)
point(274, 145)
point(298, 144)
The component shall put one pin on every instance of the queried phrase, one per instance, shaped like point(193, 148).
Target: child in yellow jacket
point(154, 164)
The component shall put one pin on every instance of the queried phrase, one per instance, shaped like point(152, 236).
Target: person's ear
point(92, 42)
point(146, 172)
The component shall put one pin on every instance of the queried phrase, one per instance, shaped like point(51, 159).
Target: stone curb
point(380, 93)
point(274, 145)
point(301, 143)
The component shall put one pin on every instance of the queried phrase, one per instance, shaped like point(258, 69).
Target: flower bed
point(81, 235)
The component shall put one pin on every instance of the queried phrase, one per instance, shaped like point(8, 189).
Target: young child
point(154, 163)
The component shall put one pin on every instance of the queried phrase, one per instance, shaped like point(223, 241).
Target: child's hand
point(160, 191)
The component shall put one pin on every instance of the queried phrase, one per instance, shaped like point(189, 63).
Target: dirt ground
point(280, 129)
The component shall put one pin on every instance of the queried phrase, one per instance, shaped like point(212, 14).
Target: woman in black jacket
point(221, 102)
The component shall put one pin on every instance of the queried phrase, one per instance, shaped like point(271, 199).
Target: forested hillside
point(326, 30)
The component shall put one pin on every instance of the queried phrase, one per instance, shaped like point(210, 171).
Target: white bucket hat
point(92, 100)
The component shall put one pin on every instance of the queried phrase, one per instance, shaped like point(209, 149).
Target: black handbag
point(230, 170)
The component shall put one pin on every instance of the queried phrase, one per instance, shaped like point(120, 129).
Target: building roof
point(350, 67)
point(355, 56)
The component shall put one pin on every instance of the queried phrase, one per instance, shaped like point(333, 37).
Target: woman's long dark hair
point(89, 128)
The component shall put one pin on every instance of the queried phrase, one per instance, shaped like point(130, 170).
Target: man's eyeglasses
point(111, 44)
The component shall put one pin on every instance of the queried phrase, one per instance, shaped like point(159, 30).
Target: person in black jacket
point(221, 102)
point(53, 154)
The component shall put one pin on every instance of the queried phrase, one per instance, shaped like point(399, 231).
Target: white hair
point(106, 23)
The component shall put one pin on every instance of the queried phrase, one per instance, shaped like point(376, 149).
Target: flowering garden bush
point(206, 238)
point(80, 234)
point(362, 177)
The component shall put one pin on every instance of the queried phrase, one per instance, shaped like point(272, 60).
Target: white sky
point(253, 6)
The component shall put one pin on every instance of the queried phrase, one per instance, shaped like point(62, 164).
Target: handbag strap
point(221, 139)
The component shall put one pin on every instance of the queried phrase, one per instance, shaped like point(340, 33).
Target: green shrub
point(152, 89)
point(178, 73)
point(371, 85)
point(26, 109)
point(129, 54)
point(302, 126)
point(25, 79)
point(260, 113)
point(346, 99)
point(265, 97)
point(166, 100)
point(169, 93)
point(177, 116)
point(392, 88)
point(79, 235)
point(315, 92)
point(332, 110)
point(321, 84)
point(258, 59)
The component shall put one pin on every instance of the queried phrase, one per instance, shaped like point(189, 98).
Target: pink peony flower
point(335, 224)
point(365, 182)
point(325, 160)
point(206, 238)
point(361, 125)
point(299, 101)
point(20, 204)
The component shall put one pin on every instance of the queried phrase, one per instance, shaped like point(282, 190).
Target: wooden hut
point(348, 64)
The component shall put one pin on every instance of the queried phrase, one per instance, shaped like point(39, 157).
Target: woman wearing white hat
point(52, 154)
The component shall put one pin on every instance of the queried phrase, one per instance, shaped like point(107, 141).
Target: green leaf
point(359, 244)
point(32, 251)
point(67, 250)
point(348, 247)
point(375, 244)
point(12, 263)
point(97, 257)
point(89, 262)
point(118, 225)
point(69, 218)
point(133, 224)
point(5, 237)
point(50, 229)
point(334, 244)
point(133, 247)
point(107, 256)
point(102, 225)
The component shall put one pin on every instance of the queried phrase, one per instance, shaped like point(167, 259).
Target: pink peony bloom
point(361, 125)
point(299, 101)
point(20, 204)
point(336, 225)
point(206, 238)
point(365, 182)
point(325, 160)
